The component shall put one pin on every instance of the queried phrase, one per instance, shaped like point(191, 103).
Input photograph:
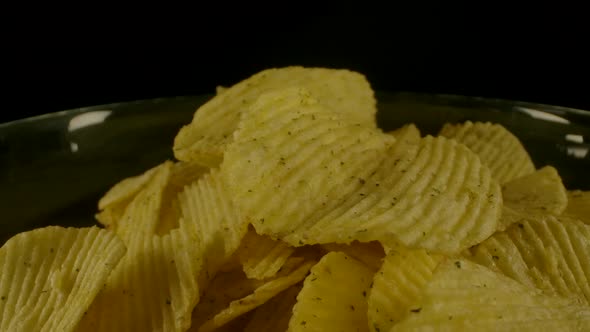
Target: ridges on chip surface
point(304, 174)
point(211, 130)
point(50, 276)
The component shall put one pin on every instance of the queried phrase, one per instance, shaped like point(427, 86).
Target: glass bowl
point(55, 167)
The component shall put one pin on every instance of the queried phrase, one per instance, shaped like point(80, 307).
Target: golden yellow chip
point(399, 284)
point(578, 205)
point(293, 158)
point(154, 287)
point(303, 174)
point(408, 134)
point(545, 252)
point(497, 147)
point(441, 198)
point(540, 192)
point(370, 253)
point(142, 215)
point(260, 296)
point(220, 89)
point(262, 257)
point(181, 175)
point(205, 138)
point(112, 214)
point(50, 276)
point(126, 189)
point(334, 296)
point(220, 292)
point(207, 210)
point(275, 314)
point(464, 296)
point(114, 203)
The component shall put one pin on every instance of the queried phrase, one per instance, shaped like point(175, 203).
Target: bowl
point(55, 167)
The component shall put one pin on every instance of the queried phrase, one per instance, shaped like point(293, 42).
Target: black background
point(86, 62)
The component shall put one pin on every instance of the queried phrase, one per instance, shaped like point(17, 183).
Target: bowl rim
point(417, 96)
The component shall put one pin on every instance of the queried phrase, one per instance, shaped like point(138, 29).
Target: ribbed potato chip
point(410, 134)
point(301, 173)
point(334, 296)
point(113, 204)
point(220, 292)
point(126, 188)
point(370, 253)
point(260, 296)
point(207, 209)
point(398, 284)
point(550, 253)
point(292, 158)
point(440, 198)
point(154, 287)
point(205, 138)
point(578, 205)
point(261, 256)
point(181, 175)
point(464, 296)
point(142, 214)
point(151, 197)
point(540, 192)
point(497, 147)
point(275, 314)
point(50, 276)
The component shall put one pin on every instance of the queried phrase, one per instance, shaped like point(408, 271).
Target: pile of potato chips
point(290, 210)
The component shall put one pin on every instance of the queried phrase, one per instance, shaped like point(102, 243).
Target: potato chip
point(205, 138)
point(303, 174)
point(220, 89)
point(550, 253)
point(464, 296)
point(114, 203)
point(181, 174)
point(260, 296)
point(275, 314)
point(142, 215)
point(441, 199)
point(305, 152)
point(578, 205)
point(154, 287)
point(127, 188)
point(50, 276)
point(497, 147)
point(370, 253)
point(207, 209)
point(237, 324)
point(409, 134)
point(261, 256)
point(112, 214)
point(540, 192)
point(155, 191)
point(399, 284)
point(220, 292)
point(334, 296)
